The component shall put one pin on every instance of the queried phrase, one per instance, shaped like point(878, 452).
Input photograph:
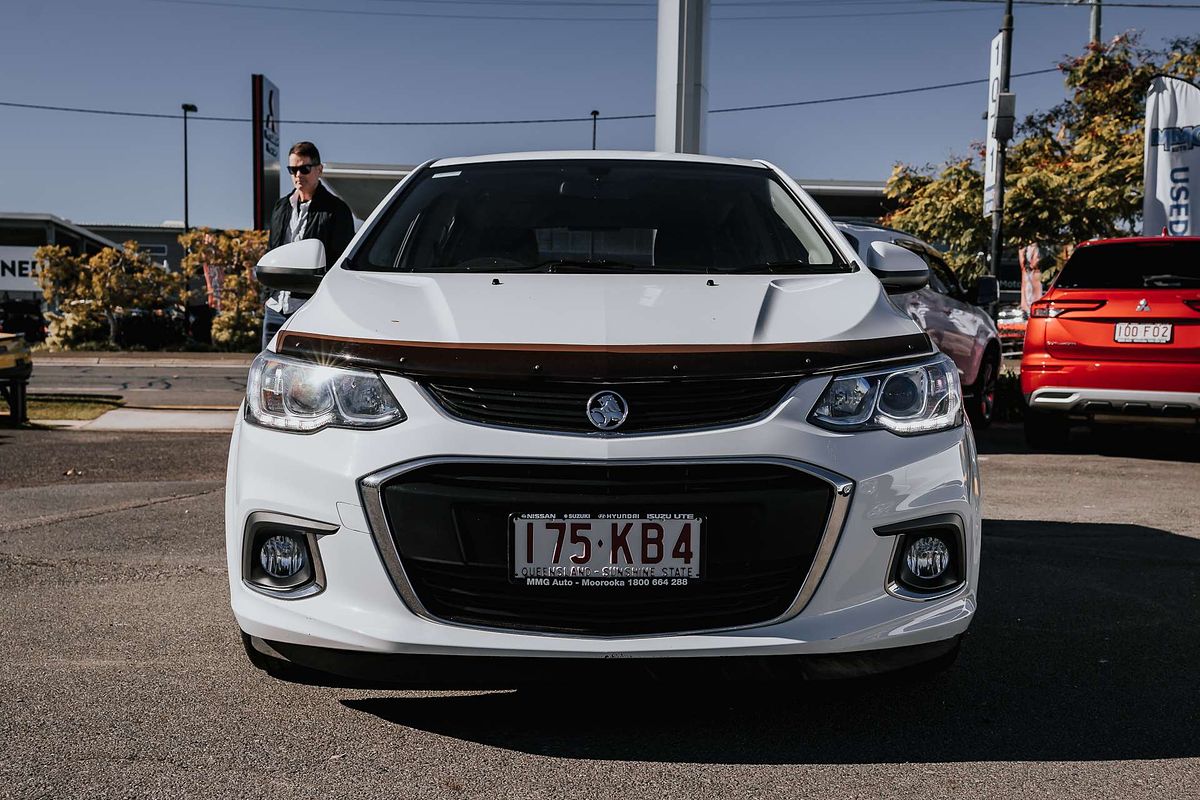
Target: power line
point(409, 14)
point(905, 13)
point(1060, 4)
point(526, 17)
point(653, 4)
point(542, 121)
point(891, 93)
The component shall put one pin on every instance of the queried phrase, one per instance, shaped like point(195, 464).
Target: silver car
point(956, 322)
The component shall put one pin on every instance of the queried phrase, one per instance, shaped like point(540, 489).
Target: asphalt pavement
point(171, 381)
point(123, 674)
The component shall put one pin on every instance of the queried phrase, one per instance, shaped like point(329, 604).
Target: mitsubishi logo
point(1142, 305)
point(607, 410)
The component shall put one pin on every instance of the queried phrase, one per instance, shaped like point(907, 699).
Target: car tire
point(981, 403)
point(1046, 430)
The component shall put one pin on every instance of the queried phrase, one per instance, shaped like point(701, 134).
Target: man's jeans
point(272, 322)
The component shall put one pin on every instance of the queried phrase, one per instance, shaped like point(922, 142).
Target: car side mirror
point(898, 269)
point(987, 290)
point(295, 267)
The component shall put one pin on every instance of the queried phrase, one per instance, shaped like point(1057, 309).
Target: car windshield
point(597, 216)
point(1158, 264)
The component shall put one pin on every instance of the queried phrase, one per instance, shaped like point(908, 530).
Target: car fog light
point(927, 558)
point(282, 556)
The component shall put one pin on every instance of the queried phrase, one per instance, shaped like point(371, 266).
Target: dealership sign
point(1172, 157)
point(993, 109)
point(18, 270)
point(265, 122)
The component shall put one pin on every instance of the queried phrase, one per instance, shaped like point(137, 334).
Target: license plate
point(606, 549)
point(1143, 332)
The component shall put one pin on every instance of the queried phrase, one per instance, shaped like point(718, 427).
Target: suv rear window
point(1162, 264)
point(596, 216)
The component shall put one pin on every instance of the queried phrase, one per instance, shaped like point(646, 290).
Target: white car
point(956, 322)
point(586, 405)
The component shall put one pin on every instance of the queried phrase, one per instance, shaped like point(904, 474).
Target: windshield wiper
point(775, 266)
point(586, 265)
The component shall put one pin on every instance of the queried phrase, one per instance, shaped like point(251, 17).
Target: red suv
point(1117, 333)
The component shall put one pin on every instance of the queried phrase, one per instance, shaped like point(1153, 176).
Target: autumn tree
point(74, 315)
point(1074, 172)
point(127, 279)
point(107, 286)
point(226, 259)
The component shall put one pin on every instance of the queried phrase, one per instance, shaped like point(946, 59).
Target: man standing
point(310, 211)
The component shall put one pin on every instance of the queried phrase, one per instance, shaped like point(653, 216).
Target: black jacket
point(329, 219)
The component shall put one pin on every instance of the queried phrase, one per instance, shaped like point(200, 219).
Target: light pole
point(595, 115)
point(186, 108)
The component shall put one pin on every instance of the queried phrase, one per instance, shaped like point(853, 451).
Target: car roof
point(1139, 240)
point(857, 225)
point(607, 155)
point(866, 232)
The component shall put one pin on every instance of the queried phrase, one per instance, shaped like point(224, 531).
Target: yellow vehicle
point(16, 365)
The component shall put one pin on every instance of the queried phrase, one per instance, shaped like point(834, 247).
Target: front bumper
point(848, 607)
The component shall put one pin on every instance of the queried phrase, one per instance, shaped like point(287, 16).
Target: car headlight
point(304, 397)
point(904, 400)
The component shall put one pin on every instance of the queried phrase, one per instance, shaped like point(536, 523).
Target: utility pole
point(1006, 29)
point(187, 107)
point(681, 93)
point(1094, 22)
point(595, 115)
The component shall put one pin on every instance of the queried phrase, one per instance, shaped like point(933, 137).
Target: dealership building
point(22, 234)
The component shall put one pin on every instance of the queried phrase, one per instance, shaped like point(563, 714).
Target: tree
point(107, 287)
point(227, 259)
point(946, 207)
point(74, 315)
point(128, 279)
point(1074, 172)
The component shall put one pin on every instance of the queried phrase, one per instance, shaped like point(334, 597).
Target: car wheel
point(982, 403)
point(1046, 430)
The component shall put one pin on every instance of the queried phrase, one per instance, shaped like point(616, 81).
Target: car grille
point(450, 524)
point(653, 406)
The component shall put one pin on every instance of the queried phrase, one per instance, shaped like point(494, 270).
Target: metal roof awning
point(362, 186)
point(22, 217)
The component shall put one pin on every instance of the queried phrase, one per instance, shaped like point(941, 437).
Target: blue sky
point(376, 64)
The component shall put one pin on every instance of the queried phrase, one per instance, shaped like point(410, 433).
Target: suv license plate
point(605, 549)
point(1143, 332)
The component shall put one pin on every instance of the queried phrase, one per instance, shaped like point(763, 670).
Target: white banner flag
point(1172, 158)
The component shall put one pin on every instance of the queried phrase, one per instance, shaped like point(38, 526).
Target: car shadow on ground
point(1084, 648)
point(1163, 442)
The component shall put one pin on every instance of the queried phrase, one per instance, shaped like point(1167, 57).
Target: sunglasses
point(303, 169)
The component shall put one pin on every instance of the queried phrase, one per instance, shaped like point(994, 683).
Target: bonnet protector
point(598, 362)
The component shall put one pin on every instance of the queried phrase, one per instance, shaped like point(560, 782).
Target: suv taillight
point(1056, 308)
